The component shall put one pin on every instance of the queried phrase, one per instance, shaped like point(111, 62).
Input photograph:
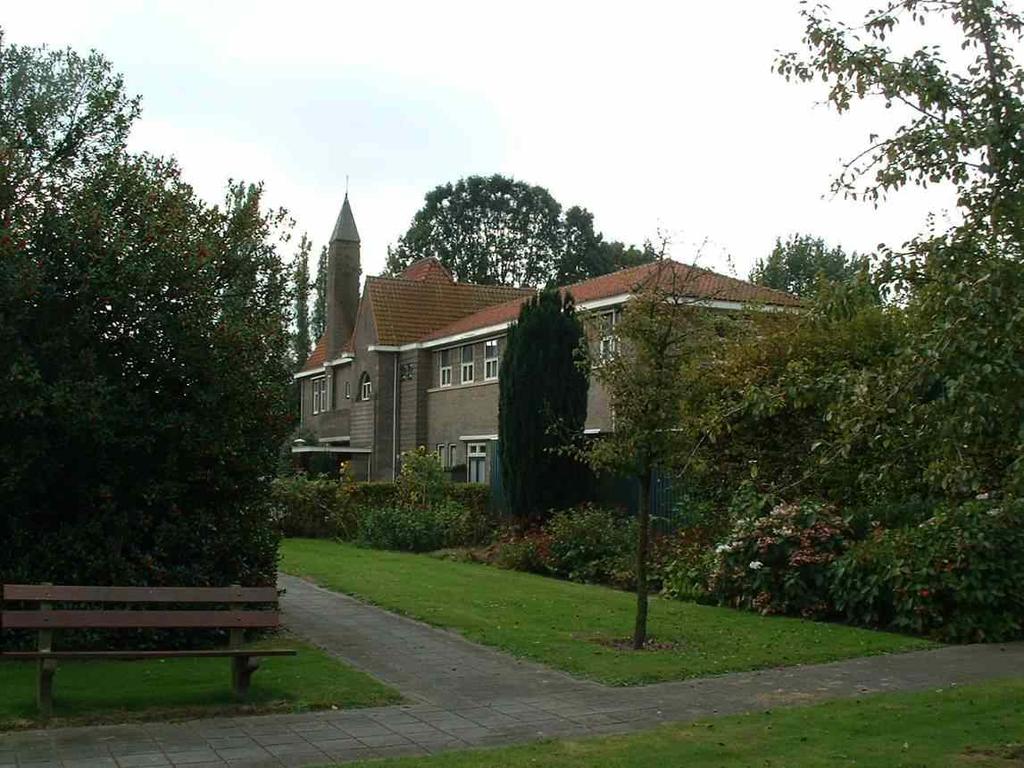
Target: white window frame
point(319, 390)
point(453, 456)
point(476, 454)
point(609, 340)
point(441, 454)
point(467, 366)
point(491, 362)
point(445, 355)
point(365, 387)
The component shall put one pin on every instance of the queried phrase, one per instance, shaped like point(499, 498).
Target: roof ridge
point(455, 283)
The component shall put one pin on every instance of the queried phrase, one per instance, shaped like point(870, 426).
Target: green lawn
point(561, 624)
point(976, 727)
point(120, 691)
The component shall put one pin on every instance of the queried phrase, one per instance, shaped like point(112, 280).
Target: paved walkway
point(463, 695)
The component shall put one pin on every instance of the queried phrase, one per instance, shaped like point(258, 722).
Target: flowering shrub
point(957, 577)
point(779, 562)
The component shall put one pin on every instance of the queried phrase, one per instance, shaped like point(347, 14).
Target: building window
point(446, 367)
point(476, 458)
point(453, 456)
point(467, 364)
point(441, 454)
point(609, 341)
point(491, 360)
point(319, 394)
point(365, 389)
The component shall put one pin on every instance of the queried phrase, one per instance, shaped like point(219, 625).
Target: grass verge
point(980, 726)
point(573, 626)
point(87, 692)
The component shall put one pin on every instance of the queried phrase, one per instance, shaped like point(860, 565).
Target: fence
point(668, 511)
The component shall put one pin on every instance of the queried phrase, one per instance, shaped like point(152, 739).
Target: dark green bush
point(529, 552)
point(591, 544)
point(957, 577)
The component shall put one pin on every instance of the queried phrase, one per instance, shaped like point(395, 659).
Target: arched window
point(365, 388)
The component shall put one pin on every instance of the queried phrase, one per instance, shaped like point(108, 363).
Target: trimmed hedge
point(379, 515)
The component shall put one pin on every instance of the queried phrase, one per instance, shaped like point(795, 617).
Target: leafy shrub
point(957, 577)
point(528, 552)
point(780, 562)
point(591, 544)
point(422, 529)
point(422, 481)
point(316, 507)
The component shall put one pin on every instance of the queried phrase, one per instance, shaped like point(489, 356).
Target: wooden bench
point(224, 608)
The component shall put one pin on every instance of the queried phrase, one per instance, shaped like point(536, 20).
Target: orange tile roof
point(429, 269)
point(408, 310)
point(693, 281)
point(317, 356)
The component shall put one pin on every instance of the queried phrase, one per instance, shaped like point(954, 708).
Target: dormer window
point(319, 387)
point(467, 364)
point(446, 367)
point(365, 388)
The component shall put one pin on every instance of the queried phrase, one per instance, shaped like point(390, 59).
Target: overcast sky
point(659, 116)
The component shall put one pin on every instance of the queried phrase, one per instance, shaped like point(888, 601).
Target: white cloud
point(654, 115)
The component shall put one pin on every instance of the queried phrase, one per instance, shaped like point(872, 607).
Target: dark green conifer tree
point(542, 407)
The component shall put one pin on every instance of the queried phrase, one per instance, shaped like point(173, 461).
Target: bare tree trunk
point(642, 539)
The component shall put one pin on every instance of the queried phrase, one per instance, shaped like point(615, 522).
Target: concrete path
point(463, 695)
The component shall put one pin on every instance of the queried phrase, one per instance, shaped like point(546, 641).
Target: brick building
point(415, 359)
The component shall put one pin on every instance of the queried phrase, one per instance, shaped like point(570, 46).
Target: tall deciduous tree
point(542, 399)
point(144, 351)
point(641, 364)
point(300, 289)
point(498, 231)
point(799, 264)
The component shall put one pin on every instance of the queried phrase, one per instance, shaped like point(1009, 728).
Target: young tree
point(800, 263)
point(143, 347)
point(319, 320)
point(300, 288)
point(540, 388)
point(662, 330)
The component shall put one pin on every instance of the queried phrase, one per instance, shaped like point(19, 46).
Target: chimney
point(343, 270)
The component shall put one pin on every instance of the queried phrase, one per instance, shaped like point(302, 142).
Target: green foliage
point(423, 529)
point(542, 402)
point(422, 481)
point(300, 289)
point(498, 231)
point(957, 577)
point(800, 264)
point(315, 507)
point(524, 552)
point(591, 545)
point(780, 562)
point(143, 347)
point(318, 320)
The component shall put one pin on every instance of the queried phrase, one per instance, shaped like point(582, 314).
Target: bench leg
point(242, 668)
point(44, 686)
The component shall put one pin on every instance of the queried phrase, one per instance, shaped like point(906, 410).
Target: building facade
point(416, 359)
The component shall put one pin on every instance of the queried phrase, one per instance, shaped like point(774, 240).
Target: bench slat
point(138, 619)
point(228, 652)
point(80, 594)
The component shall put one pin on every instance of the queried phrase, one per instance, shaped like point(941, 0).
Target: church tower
point(343, 271)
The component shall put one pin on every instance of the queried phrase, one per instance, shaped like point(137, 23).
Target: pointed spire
point(345, 226)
